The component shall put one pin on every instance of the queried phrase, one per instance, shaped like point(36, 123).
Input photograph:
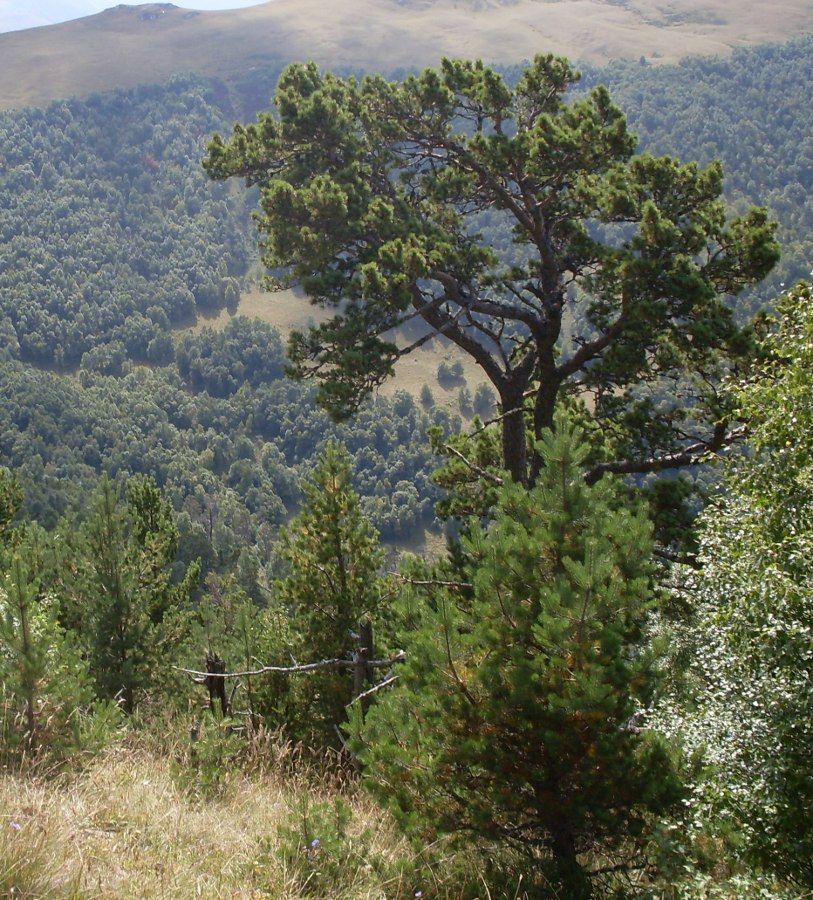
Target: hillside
point(129, 45)
point(115, 249)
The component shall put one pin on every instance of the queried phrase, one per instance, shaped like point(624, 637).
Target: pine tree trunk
point(573, 882)
point(514, 437)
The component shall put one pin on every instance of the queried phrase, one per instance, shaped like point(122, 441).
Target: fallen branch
point(306, 667)
point(376, 687)
point(435, 582)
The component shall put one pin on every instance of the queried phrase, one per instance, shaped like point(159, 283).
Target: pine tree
point(516, 717)
point(121, 595)
point(520, 225)
point(333, 585)
point(45, 682)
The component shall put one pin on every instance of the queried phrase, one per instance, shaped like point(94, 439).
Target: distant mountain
point(15, 16)
point(129, 45)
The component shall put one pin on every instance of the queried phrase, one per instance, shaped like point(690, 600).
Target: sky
point(18, 14)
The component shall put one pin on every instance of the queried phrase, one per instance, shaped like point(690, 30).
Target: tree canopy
point(375, 196)
point(750, 644)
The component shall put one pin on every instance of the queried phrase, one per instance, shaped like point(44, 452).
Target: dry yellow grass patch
point(125, 829)
point(289, 310)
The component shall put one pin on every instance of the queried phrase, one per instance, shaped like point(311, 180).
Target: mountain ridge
point(128, 45)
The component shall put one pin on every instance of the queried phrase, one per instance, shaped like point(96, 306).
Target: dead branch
point(376, 687)
point(435, 582)
point(306, 667)
point(478, 470)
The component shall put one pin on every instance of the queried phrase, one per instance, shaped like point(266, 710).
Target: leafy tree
point(749, 705)
point(374, 195)
point(516, 718)
point(333, 585)
point(483, 401)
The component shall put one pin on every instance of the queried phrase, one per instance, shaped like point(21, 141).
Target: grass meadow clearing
point(140, 822)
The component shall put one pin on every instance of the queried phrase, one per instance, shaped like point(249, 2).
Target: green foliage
point(333, 586)
point(373, 194)
point(245, 352)
point(450, 375)
point(231, 466)
point(484, 401)
point(120, 596)
point(748, 109)
point(327, 853)
point(467, 491)
point(11, 499)
point(517, 717)
point(110, 230)
point(215, 760)
point(47, 709)
point(746, 702)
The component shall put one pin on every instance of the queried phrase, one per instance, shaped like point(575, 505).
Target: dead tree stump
point(216, 685)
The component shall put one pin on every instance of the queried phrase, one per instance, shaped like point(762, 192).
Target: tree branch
point(435, 582)
point(306, 667)
point(688, 456)
point(483, 473)
point(375, 688)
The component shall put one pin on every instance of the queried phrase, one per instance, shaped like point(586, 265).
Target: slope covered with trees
point(110, 232)
point(230, 465)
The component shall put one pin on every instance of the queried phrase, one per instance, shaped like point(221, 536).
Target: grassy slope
point(128, 45)
point(287, 310)
point(134, 825)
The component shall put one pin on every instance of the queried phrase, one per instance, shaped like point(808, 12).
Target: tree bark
point(574, 883)
point(514, 435)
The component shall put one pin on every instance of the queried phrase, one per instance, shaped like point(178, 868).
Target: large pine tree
point(521, 227)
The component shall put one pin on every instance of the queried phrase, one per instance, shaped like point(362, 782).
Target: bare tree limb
point(478, 470)
point(306, 667)
point(376, 687)
point(434, 582)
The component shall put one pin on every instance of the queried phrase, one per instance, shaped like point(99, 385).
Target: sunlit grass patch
point(125, 827)
point(36, 858)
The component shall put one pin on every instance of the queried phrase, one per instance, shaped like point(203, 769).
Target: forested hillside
point(197, 559)
point(113, 238)
point(111, 231)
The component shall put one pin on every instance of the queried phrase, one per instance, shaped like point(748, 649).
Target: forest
point(554, 637)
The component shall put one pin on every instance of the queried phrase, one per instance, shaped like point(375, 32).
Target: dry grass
point(125, 829)
point(287, 310)
point(122, 47)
